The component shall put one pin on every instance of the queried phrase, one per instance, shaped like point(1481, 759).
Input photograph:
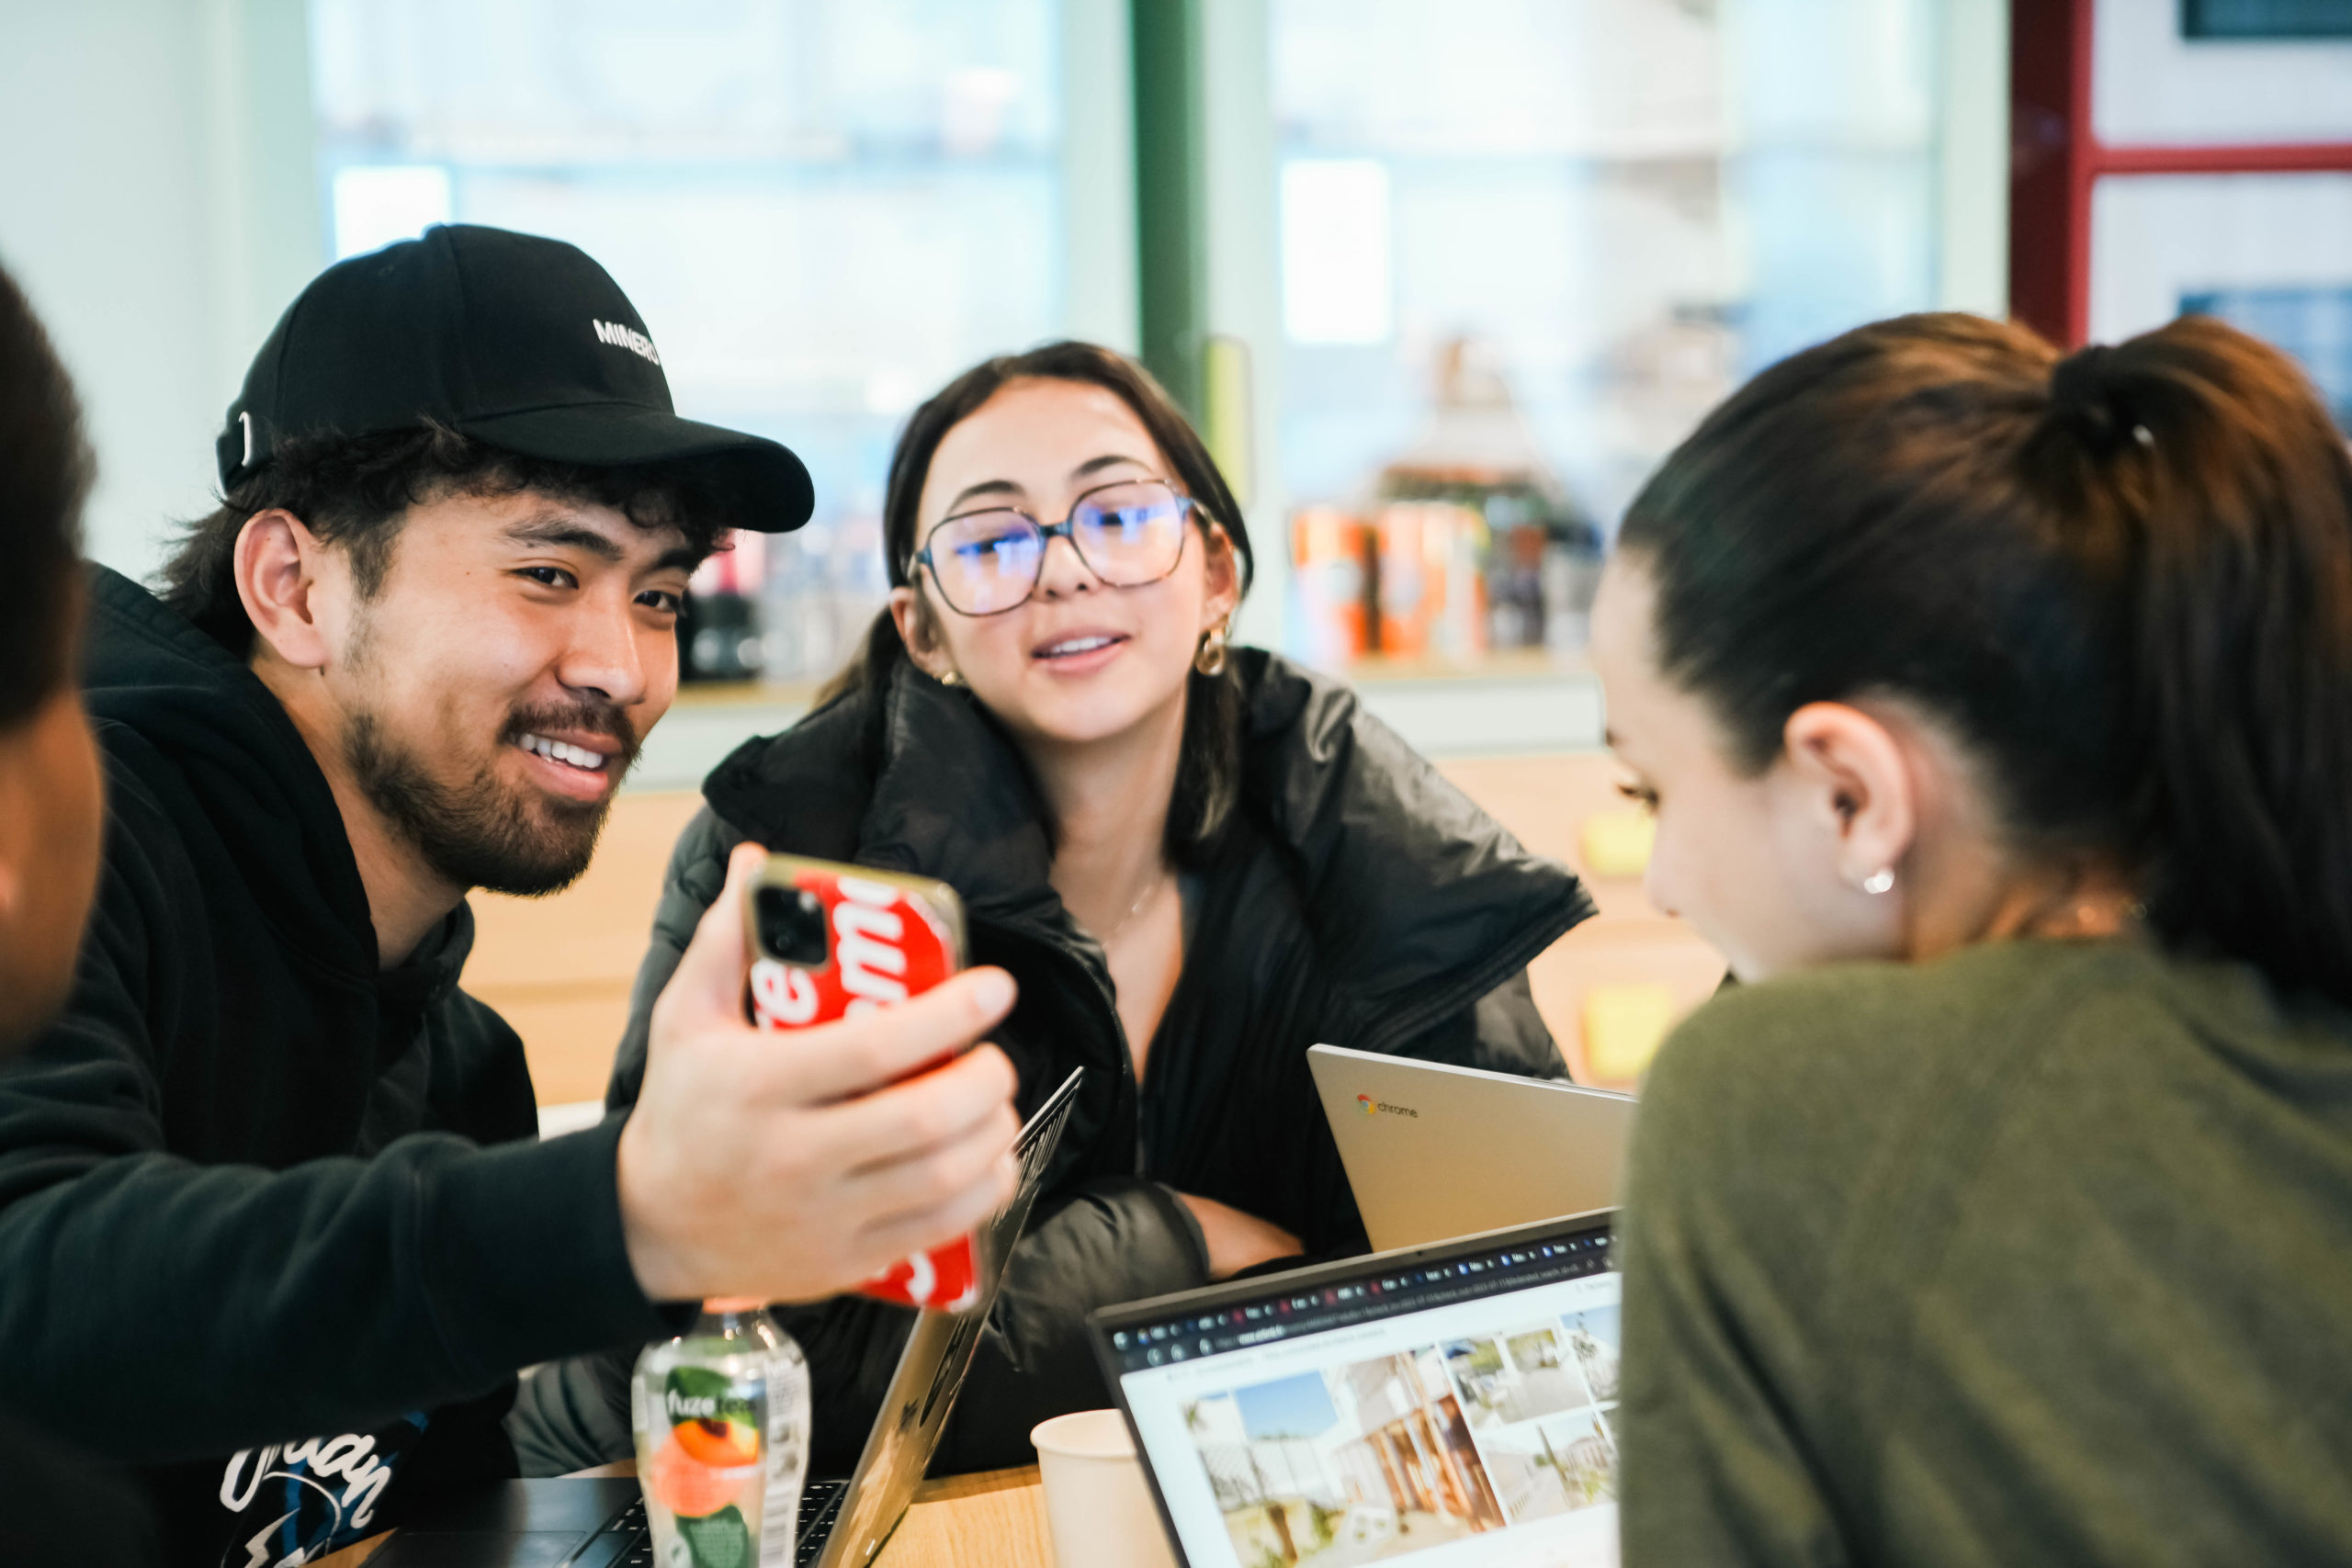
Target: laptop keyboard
point(640, 1539)
point(821, 1504)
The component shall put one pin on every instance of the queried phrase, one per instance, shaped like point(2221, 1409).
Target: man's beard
point(486, 832)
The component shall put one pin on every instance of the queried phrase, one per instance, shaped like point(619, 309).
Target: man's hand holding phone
point(793, 1175)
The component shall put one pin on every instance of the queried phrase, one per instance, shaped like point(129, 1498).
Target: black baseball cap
point(522, 343)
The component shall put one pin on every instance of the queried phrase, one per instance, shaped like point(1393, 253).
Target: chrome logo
point(1368, 1108)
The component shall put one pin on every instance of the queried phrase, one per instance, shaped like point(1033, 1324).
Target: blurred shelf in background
point(1502, 705)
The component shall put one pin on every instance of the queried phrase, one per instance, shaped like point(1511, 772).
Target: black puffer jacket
point(1360, 901)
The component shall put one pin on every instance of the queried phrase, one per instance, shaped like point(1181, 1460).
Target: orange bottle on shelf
point(1433, 591)
point(1330, 550)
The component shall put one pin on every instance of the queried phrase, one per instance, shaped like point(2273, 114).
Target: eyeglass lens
point(1128, 535)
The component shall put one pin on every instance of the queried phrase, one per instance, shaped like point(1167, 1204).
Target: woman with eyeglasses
point(1197, 859)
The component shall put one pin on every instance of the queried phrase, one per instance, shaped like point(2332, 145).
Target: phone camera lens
point(792, 926)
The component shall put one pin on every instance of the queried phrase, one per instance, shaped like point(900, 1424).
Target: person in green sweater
point(1996, 710)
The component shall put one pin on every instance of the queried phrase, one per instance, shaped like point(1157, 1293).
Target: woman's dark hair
point(2123, 578)
point(1208, 776)
point(354, 492)
point(45, 471)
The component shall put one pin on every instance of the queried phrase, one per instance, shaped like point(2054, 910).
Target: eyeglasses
point(1128, 534)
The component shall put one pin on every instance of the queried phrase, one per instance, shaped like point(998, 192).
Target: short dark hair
point(1208, 776)
point(45, 474)
point(2124, 578)
point(355, 493)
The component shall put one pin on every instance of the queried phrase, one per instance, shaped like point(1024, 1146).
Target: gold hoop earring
point(1209, 659)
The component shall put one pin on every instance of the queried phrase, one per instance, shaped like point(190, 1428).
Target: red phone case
point(889, 937)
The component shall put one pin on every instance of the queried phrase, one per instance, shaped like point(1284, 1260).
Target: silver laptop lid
point(931, 1368)
point(1434, 1151)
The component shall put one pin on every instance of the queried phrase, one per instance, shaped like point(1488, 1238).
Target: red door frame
point(2055, 157)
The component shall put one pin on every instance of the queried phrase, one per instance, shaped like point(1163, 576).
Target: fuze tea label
point(708, 1471)
point(724, 1411)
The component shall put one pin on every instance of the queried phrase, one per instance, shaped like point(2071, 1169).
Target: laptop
point(1462, 1397)
point(600, 1522)
point(1434, 1151)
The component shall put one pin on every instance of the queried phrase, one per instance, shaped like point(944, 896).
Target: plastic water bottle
point(790, 1414)
point(721, 1414)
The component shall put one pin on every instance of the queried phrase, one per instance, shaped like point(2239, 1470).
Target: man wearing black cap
point(272, 1221)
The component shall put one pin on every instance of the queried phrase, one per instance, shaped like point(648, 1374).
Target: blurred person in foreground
point(1997, 712)
point(1197, 858)
point(275, 1223)
point(53, 1508)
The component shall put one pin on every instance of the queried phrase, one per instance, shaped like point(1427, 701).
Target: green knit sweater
point(2038, 1254)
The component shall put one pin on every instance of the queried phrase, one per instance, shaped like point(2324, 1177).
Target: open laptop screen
point(1457, 1400)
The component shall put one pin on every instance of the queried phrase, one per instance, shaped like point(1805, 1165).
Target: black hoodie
point(274, 1226)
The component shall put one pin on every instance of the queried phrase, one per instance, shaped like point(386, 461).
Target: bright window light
point(1337, 278)
point(377, 204)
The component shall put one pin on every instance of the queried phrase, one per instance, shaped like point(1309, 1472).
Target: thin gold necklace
point(1134, 909)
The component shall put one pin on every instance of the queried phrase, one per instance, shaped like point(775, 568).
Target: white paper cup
point(1097, 1501)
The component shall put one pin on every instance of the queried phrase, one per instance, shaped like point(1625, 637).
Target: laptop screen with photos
point(1453, 1405)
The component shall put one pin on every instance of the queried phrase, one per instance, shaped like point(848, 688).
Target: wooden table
point(992, 1520)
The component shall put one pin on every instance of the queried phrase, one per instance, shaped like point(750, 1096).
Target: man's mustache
point(595, 719)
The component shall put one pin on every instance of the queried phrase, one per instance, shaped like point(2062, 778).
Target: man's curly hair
point(354, 492)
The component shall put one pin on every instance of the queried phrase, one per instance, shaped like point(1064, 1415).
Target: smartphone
point(829, 941)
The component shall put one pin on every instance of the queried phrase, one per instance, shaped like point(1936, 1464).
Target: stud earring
point(952, 678)
point(1880, 881)
point(1209, 660)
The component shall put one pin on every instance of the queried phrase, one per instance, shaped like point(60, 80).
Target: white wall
point(2151, 86)
point(1972, 173)
point(1099, 175)
point(158, 202)
point(1245, 277)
